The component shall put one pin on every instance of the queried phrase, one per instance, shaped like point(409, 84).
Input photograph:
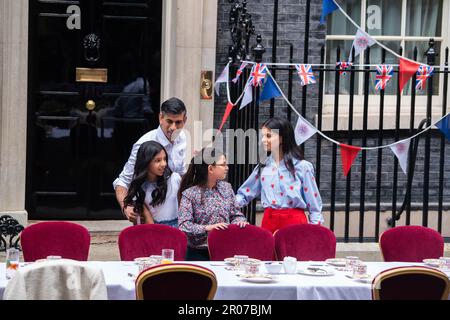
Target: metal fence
point(248, 118)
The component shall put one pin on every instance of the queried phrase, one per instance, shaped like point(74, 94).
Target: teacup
point(252, 267)
point(359, 271)
point(444, 263)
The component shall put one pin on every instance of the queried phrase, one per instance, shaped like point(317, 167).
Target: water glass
point(12, 262)
point(240, 261)
point(167, 256)
point(290, 265)
point(444, 263)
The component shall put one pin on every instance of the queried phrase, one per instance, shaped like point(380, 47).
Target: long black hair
point(288, 145)
point(197, 173)
point(136, 195)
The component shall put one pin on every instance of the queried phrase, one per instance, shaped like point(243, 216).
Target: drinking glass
point(12, 262)
point(167, 256)
point(290, 265)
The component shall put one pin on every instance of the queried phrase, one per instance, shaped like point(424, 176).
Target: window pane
point(344, 80)
point(422, 47)
point(337, 23)
point(384, 17)
point(375, 58)
point(423, 18)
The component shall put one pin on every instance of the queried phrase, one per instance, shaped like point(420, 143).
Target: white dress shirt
point(176, 152)
point(168, 210)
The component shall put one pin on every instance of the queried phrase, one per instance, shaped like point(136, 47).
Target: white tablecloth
point(120, 284)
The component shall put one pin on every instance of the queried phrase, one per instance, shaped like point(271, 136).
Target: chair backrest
point(55, 238)
point(411, 283)
point(62, 279)
point(176, 281)
point(305, 242)
point(252, 241)
point(147, 239)
point(411, 244)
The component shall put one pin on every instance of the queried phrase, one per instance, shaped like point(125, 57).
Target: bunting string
point(323, 134)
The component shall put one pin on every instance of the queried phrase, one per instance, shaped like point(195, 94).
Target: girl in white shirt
point(155, 186)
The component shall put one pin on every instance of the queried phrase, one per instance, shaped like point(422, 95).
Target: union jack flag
point(258, 74)
point(305, 73)
point(239, 72)
point(422, 74)
point(342, 66)
point(384, 74)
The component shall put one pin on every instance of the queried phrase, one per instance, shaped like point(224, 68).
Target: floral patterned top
point(279, 189)
point(200, 207)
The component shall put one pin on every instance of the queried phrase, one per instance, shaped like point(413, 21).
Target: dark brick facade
point(291, 30)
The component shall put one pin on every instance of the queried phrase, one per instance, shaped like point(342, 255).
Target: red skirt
point(275, 219)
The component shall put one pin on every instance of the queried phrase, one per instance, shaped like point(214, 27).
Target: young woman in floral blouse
point(206, 202)
point(284, 180)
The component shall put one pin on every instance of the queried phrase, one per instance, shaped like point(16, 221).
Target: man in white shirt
point(171, 118)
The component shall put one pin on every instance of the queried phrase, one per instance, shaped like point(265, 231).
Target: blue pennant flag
point(444, 126)
point(270, 90)
point(328, 6)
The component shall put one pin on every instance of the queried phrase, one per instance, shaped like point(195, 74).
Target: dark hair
point(173, 106)
point(197, 173)
point(289, 146)
point(136, 195)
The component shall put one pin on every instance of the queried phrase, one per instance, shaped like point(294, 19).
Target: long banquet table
point(120, 276)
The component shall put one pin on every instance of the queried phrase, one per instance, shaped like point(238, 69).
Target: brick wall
point(291, 18)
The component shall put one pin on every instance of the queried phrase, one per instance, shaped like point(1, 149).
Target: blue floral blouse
point(279, 189)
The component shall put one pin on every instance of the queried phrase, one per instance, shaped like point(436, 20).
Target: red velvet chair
point(176, 281)
point(147, 239)
point(252, 241)
point(305, 242)
point(55, 238)
point(411, 283)
point(411, 244)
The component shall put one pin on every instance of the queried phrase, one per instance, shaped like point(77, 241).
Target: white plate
point(257, 278)
point(322, 272)
point(338, 262)
point(431, 262)
point(231, 260)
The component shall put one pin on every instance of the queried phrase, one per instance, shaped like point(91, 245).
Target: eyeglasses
point(221, 165)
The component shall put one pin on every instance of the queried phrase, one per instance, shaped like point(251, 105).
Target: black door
point(83, 119)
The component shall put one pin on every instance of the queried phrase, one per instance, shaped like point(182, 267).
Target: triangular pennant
point(361, 42)
point(270, 90)
point(407, 69)
point(222, 78)
point(239, 72)
point(401, 149)
point(226, 114)
point(328, 6)
point(444, 126)
point(303, 130)
point(348, 155)
point(248, 95)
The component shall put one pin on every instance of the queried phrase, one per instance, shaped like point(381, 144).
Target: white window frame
point(390, 101)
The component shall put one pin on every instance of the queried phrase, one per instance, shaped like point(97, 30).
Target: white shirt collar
point(162, 137)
